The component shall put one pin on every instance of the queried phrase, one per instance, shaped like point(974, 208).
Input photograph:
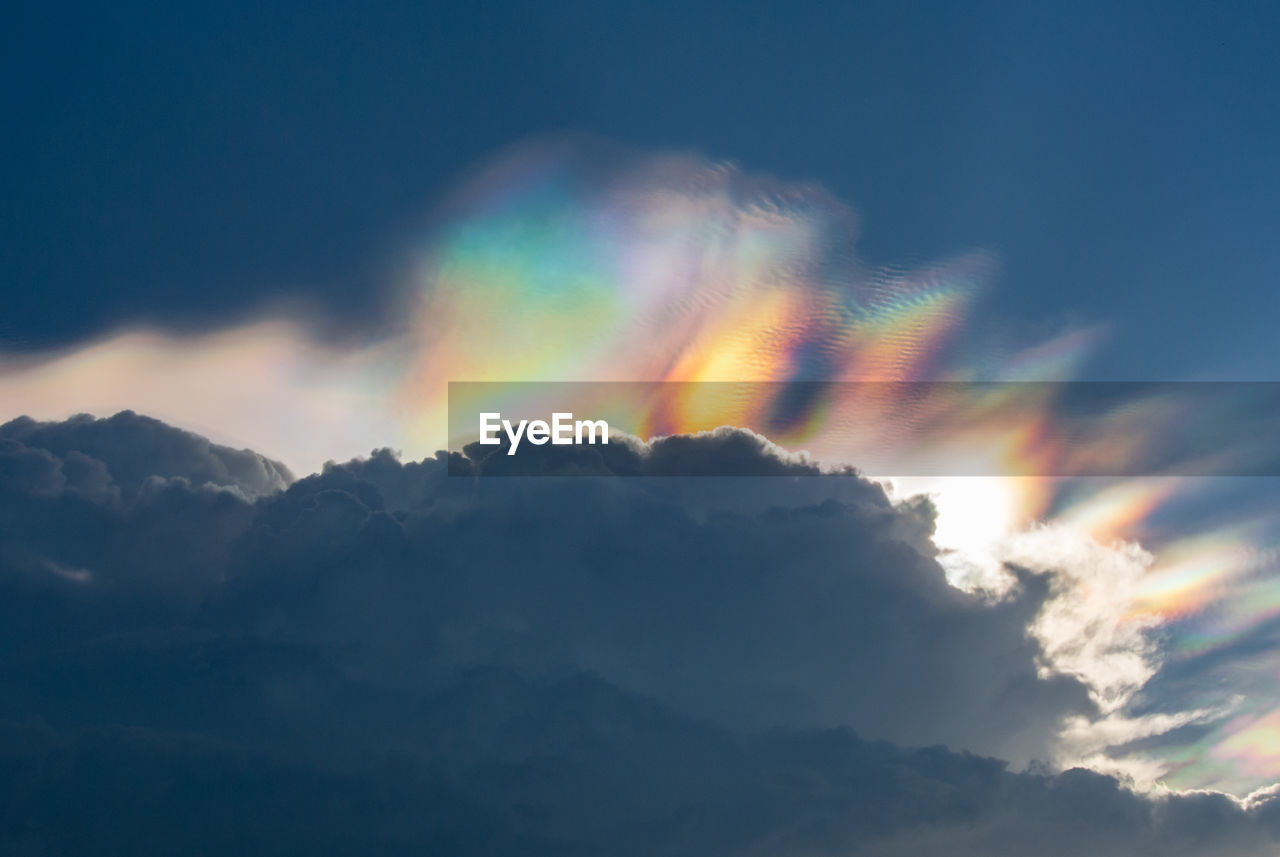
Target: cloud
point(128, 504)
point(492, 763)
point(386, 657)
point(136, 449)
point(725, 451)
point(272, 384)
point(828, 611)
point(569, 260)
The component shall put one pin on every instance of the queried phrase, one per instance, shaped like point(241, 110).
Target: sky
point(184, 165)
point(257, 242)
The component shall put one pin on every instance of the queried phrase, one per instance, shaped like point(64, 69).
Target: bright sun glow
point(975, 513)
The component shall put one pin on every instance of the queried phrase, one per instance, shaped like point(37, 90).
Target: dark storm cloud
point(385, 658)
point(792, 604)
point(495, 765)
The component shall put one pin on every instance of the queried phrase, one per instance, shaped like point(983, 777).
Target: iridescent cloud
point(564, 261)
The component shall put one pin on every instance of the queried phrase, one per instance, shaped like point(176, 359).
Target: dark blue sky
point(184, 163)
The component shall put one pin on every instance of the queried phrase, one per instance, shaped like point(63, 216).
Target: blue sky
point(183, 163)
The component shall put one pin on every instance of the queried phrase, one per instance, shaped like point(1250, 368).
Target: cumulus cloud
point(725, 451)
point(386, 657)
point(137, 449)
point(123, 500)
